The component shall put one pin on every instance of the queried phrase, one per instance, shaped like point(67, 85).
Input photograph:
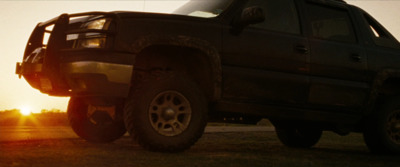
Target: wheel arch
point(386, 84)
point(198, 58)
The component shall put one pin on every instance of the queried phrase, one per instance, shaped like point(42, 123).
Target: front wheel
point(95, 123)
point(166, 112)
point(382, 129)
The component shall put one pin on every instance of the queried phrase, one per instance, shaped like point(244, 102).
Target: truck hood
point(161, 16)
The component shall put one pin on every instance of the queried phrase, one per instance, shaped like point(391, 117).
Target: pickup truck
point(306, 65)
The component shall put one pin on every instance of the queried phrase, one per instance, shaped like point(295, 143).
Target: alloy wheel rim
point(170, 113)
point(393, 126)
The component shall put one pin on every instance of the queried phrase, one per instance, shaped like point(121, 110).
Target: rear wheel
point(95, 123)
point(382, 129)
point(166, 112)
point(297, 136)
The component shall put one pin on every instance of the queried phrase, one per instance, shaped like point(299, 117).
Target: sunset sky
point(18, 18)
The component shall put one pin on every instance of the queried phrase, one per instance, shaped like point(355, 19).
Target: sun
point(25, 111)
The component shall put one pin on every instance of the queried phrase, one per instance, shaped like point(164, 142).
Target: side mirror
point(250, 15)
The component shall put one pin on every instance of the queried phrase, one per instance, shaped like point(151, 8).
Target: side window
point(330, 23)
point(375, 29)
point(380, 35)
point(280, 15)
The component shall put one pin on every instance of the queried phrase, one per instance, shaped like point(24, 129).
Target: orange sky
point(18, 18)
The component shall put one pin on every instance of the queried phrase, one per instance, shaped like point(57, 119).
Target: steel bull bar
point(44, 75)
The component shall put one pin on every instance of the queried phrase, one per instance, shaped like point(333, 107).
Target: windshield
point(203, 8)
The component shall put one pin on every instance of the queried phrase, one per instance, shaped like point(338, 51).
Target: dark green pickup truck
point(306, 65)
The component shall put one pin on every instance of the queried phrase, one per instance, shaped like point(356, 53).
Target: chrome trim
point(71, 37)
point(117, 73)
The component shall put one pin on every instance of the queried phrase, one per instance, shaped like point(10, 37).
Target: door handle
point(356, 58)
point(301, 49)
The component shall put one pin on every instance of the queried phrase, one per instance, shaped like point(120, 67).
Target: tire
point(97, 126)
point(382, 129)
point(298, 137)
point(166, 112)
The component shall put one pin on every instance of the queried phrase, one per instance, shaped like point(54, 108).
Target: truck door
point(266, 62)
point(338, 61)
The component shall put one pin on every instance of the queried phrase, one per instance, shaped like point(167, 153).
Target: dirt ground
point(219, 149)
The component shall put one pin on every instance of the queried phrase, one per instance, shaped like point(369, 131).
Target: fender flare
point(379, 80)
point(185, 41)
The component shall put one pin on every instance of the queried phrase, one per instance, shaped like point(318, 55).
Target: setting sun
point(25, 111)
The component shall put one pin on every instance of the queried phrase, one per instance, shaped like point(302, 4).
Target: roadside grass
point(250, 149)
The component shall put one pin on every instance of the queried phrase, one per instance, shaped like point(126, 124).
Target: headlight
point(99, 24)
point(92, 43)
point(92, 40)
point(90, 36)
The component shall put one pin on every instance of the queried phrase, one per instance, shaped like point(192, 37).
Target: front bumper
point(91, 78)
point(84, 78)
